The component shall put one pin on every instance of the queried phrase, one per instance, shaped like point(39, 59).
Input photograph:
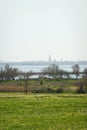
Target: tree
point(85, 73)
point(2, 74)
point(52, 71)
point(14, 73)
point(7, 70)
point(63, 74)
point(76, 70)
point(10, 73)
point(26, 78)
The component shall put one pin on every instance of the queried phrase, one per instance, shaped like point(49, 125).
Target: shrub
point(43, 90)
point(80, 87)
point(80, 90)
point(59, 90)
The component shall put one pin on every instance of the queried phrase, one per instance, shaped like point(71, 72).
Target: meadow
point(45, 86)
point(43, 111)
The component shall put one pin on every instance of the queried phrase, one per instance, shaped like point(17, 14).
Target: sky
point(34, 29)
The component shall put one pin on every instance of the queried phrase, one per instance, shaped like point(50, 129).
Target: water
point(39, 67)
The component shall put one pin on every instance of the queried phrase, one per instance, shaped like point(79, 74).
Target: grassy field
point(68, 86)
point(43, 111)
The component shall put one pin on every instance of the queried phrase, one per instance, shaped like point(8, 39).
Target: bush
point(43, 90)
point(59, 90)
point(48, 90)
point(38, 90)
point(80, 90)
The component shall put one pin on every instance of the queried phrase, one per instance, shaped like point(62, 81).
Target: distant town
point(45, 62)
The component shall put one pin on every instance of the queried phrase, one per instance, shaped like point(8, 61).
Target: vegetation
point(38, 111)
point(85, 73)
point(54, 72)
point(45, 86)
point(8, 73)
point(43, 112)
point(76, 70)
point(51, 80)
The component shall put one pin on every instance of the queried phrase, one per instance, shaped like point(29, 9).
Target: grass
point(43, 111)
point(69, 85)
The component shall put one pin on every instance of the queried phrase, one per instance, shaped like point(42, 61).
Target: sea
point(39, 66)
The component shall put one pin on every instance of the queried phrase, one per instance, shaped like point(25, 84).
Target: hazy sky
point(33, 29)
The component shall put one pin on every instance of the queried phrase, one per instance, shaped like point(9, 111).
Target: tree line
point(52, 71)
point(8, 73)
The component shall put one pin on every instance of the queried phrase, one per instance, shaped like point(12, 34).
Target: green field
point(44, 86)
point(43, 111)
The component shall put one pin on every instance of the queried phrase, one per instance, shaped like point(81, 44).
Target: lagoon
point(39, 67)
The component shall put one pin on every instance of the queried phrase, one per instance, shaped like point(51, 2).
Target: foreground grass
point(43, 112)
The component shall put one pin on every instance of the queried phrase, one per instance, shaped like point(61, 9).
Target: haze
point(33, 29)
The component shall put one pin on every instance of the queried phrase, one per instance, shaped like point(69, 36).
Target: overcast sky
point(35, 29)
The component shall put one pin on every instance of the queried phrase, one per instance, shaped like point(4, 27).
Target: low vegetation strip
point(43, 111)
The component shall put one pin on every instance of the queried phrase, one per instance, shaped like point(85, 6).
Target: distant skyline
point(33, 30)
